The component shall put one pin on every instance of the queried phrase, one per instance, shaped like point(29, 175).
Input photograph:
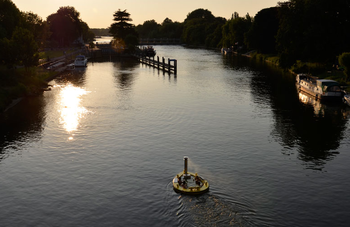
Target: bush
point(344, 61)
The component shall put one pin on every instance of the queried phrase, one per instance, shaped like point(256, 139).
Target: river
point(101, 148)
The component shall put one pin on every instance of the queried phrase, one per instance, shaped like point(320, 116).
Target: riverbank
point(318, 70)
point(21, 82)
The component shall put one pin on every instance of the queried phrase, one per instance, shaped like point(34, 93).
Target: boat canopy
point(328, 85)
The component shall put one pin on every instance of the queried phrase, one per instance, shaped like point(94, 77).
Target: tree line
point(294, 30)
point(22, 34)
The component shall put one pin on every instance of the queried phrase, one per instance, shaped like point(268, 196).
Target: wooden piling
point(160, 65)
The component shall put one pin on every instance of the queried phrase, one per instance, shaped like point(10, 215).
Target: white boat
point(319, 88)
point(80, 61)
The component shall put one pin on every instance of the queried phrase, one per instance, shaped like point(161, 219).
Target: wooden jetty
point(107, 51)
point(169, 66)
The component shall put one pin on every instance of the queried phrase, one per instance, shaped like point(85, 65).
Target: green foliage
point(200, 28)
point(234, 32)
point(65, 26)
point(88, 35)
point(167, 29)
point(122, 30)
point(261, 35)
point(313, 30)
point(25, 47)
point(308, 67)
point(10, 18)
point(36, 26)
point(344, 61)
point(149, 29)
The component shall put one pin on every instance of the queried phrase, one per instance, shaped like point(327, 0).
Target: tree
point(88, 35)
point(261, 35)
point(170, 29)
point(313, 30)
point(149, 29)
point(21, 49)
point(344, 60)
point(121, 29)
point(25, 47)
point(234, 31)
point(37, 26)
point(10, 18)
point(200, 28)
point(65, 25)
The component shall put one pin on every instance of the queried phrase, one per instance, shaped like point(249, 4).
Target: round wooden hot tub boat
point(190, 183)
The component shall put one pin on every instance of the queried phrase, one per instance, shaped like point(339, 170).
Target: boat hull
point(80, 61)
point(320, 89)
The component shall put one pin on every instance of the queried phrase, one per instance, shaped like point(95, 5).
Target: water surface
point(101, 148)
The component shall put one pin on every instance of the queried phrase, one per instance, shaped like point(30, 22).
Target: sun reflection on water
point(71, 108)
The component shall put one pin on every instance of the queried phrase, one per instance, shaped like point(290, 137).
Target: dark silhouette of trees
point(37, 26)
point(201, 28)
point(123, 31)
point(344, 60)
point(234, 32)
point(10, 17)
point(313, 30)
point(167, 29)
point(24, 47)
point(263, 31)
point(170, 29)
point(18, 34)
point(149, 29)
point(65, 26)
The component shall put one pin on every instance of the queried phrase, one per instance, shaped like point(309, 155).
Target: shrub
point(344, 61)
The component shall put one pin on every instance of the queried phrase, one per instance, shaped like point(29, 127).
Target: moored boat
point(80, 61)
point(319, 88)
point(189, 183)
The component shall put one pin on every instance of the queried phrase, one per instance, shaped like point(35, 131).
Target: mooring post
point(158, 62)
point(163, 59)
point(169, 67)
point(175, 66)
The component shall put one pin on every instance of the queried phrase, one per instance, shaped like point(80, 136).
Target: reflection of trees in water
point(124, 75)
point(20, 124)
point(318, 136)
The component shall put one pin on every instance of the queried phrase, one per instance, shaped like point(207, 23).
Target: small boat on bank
point(319, 88)
point(80, 61)
point(189, 183)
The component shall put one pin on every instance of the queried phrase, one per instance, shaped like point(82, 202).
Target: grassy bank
point(321, 71)
point(16, 83)
point(50, 54)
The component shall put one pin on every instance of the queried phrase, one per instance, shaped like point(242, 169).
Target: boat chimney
point(185, 163)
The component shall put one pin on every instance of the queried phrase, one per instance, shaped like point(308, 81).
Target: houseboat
point(319, 88)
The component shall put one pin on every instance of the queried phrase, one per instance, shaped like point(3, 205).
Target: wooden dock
point(169, 66)
point(103, 51)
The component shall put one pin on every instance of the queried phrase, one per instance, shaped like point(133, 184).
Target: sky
point(99, 13)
